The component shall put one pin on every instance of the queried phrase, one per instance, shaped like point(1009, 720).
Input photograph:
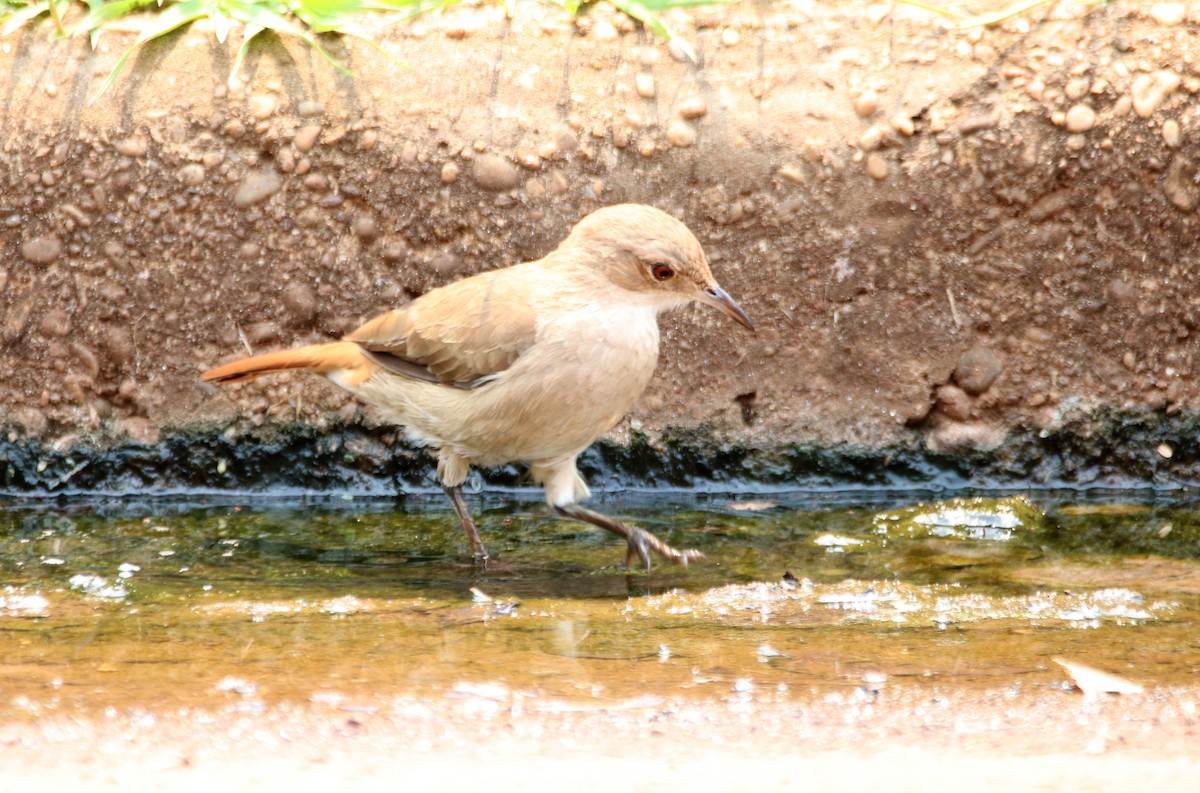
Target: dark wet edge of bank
point(1104, 450)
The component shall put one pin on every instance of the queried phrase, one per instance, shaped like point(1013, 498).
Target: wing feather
point(460, 333)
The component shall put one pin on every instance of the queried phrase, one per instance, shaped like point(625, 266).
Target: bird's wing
point(458, 334)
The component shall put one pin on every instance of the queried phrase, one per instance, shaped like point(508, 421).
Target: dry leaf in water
point(1093, 682)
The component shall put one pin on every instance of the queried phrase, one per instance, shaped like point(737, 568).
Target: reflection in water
point(213, 602)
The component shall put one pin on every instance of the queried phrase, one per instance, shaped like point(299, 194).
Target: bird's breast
point(581, 375)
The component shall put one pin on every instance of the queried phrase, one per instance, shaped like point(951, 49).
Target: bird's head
point(647, 252)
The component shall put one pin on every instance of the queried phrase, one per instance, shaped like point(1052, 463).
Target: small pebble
point(1149, 91)
point(644, 83)
point(450, 173)
point(56, 323)
point(565, 141)
point(1080, 118)
point(42, 250)
point(792, 173)
point(1077, 88)
point(903, 123)
point(445, 264)
point(306, 137)
point(262, 106)
point(365, 227)
point(1168, 13)
point(693, 108)
point(310, 108)
point(730, 37)
point(192, 174)
point(647, 147)
point(257, 186)
point(117, 343)
point(871, 139)
point(954, 402)
point(681, 134)
point(261, 332)
point(1165, 451)
point(977, 369)
point(620, 135)
point(866, 103)
point(528, 159)
point(493, 172)
point(133, 146)
point(300, 301)
point(604, 31)
point(877, 167)
point(1172, 135)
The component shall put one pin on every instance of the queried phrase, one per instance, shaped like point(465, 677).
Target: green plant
point(303, 19)
point(979, 20)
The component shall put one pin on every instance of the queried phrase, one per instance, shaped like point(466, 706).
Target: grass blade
point(251, 30)
point(173, 16)
point(641, 13)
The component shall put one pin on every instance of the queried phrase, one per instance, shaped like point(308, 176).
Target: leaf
point(249, 32)
point(102, 12)
point(94, 33)
point(980, 20)
point(18, 19)
point(174, 16)
point(220, 19)
point(1093, 682)
point(640, 12)
point(266, 18)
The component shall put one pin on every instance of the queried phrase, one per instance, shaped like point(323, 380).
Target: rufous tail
point(343, 359)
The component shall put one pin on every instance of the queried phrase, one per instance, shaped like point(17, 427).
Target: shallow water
point(121, 605)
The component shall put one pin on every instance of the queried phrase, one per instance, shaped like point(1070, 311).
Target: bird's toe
point(637, 549)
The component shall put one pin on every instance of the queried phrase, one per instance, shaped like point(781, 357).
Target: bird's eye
point(661, 271)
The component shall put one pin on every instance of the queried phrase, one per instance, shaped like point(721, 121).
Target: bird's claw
point(637, 548)
point(641, 542)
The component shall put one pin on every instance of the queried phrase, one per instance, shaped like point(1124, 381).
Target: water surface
point(121, 604)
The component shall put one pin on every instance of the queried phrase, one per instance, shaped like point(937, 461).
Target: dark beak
point(719, 299)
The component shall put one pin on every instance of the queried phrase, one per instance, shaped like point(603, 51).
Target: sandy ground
point(907, 738)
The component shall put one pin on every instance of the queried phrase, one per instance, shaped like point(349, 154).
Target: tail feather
point(342, 360)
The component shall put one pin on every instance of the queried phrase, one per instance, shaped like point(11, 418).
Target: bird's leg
point(459, 502)
point(640, 541)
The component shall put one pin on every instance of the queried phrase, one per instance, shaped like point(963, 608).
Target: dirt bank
point(945, 235)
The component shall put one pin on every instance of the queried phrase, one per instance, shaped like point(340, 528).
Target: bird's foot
point(641, 542)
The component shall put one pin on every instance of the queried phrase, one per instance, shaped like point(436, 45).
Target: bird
point(528, 363)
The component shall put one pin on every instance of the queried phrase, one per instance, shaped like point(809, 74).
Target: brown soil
point(932, 234)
